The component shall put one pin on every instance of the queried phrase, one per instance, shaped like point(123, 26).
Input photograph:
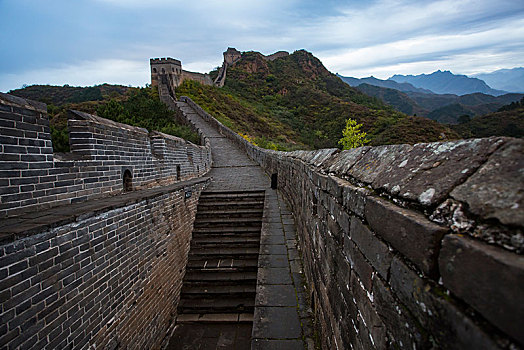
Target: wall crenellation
point(31, 176)
point(408, 246)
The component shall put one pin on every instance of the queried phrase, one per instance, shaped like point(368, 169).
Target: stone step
point(216, 289)
point(223, 251)
point(229, 212)
point(215, 318)
point(231, 200)
point(226, 230)
point(217, 305)
point(213, 275)
point(221, 205)
point(196, 262)
point(224, 245)
point(232, 194)
point(225, 222)
point(233, 238)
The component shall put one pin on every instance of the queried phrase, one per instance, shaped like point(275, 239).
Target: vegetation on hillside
point(446, 109)
point(507, 122)
point(254, 125)
point(143, 108)
point(134, 106)
point(513, 105)
point(296, 98)
point(397, 99)
point(61, 95)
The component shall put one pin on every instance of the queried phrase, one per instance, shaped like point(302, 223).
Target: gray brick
point(480, 274)
point(407, 231)
point(373, 249)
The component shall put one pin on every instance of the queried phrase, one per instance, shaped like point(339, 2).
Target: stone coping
point(28, 224)
point(74, 114)
point(23, 103)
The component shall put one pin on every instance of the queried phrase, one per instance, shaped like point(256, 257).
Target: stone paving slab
point(276, 295)
point(273, 240)
point(273, 261)
point(277, 323)
point(278, 249)
point(235, 336)
point(274, 275)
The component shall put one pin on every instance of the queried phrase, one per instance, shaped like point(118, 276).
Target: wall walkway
point(408, 246)
point(281, 317)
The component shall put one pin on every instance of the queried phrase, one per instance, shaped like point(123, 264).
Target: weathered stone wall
point(101, 151)
point(276, 55)
point(409, 246)
point(106, 280)
point(204, 79)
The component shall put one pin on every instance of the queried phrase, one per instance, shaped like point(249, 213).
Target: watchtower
point(169, 68)
point(231, 55)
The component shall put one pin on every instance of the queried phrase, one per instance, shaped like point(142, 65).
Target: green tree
point(352, 136)
point(464, 119)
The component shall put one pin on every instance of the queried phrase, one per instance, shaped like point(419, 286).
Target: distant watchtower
point(168, 67)
point(231, 55)
point(167, 74)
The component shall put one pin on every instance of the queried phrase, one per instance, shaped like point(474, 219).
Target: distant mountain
point(505, 79)
point(390, 84)
point(445, 82)
point(395, 98)
point(444, 108)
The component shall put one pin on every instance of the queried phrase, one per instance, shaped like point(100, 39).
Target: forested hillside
point(298, 101)
point(444, 108)
point(508, 121)
point(134, 106)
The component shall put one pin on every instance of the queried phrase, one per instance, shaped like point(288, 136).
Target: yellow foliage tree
point(352, 136)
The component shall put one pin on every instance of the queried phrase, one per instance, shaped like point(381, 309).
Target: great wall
point(108, 246)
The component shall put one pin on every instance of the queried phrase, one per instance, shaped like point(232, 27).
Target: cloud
point(385, 21)
point(351, 37)
point(392, 36)
point(429, 48)
point(113, 71)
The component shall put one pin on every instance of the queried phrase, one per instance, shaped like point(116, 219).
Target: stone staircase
point(221, 275)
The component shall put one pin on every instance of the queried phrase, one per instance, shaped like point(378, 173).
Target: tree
point(352, 136)
point(464, 119)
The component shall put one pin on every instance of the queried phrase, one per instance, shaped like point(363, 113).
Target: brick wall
point(204, 79)
point(101, 151)
point(108, 280)
point(408, 246)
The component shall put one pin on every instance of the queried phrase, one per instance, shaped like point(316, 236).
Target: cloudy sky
point(86, 42)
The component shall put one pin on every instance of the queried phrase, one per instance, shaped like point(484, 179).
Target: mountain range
point(505, 79)
point(414, 97)
point(391, 84)
point(445, 82)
